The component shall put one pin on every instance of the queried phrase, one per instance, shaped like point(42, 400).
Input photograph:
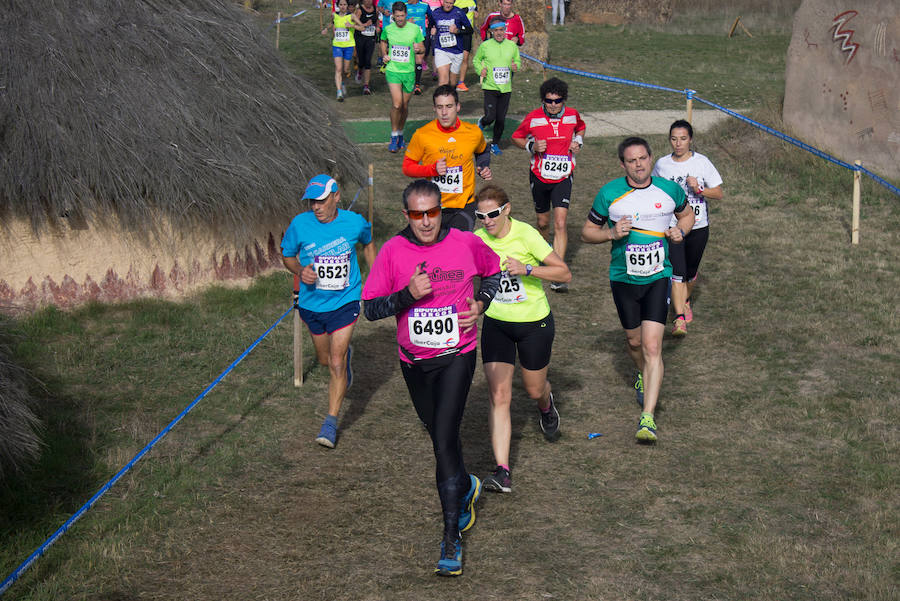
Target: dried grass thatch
point(140, 109)
point(19, 427)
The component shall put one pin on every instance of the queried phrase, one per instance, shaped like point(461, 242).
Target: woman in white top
point(701, 182)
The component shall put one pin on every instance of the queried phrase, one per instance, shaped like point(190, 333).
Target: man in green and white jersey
point(400, 42)
point(634, 213)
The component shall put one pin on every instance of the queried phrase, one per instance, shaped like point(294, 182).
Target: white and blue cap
point(320, 187)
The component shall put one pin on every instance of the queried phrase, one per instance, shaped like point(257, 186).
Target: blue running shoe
point(467, 512)
point(402, 142)
point(495, 150)
point(349, 367)
point(394, 146)
point(450, 563)
point(639, 390)
point(328, 432)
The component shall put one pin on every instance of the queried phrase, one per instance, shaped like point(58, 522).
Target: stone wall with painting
point(842, 90)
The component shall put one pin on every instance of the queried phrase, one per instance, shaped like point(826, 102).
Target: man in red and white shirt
point(515, 29)
point(553, 134)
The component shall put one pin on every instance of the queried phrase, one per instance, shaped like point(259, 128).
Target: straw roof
point(138, 109)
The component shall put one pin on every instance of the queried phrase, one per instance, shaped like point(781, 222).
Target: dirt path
point(599, 124)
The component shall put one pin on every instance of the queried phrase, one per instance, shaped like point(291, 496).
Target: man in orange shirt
point(450, 152)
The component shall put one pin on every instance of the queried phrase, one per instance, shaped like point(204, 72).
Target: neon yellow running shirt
point(520, 298)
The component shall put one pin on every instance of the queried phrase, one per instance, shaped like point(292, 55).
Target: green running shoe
point(646, 429)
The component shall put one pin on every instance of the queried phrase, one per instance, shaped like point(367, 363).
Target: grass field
point(776, 475)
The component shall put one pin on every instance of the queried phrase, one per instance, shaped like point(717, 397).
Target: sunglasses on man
point(554, 100)
point(432, 213)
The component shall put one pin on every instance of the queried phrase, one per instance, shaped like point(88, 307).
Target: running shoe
point(349, 367)
point(688, 312)
point(402, 142)
point(550, 421)
point(394, 146)
point(424, 67)
point(328, 432)
point(495, 150)
point(450, 563)
point(499, 480)
point(367, 91)
point(646, 429)
point(560, 287)
point(462, 87)
point(639, 389)
point(417, 90)
point(679, 328)
point(480, 121)
point(467, 513)
point(358, 76)
point(340, 96)
point(343, 89)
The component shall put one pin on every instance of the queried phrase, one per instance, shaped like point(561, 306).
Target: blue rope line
point(602, 77)
point(283, 19)
point(65, 527)
point(692, 94)
point(778, 134)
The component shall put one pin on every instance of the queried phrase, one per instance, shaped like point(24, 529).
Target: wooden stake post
point(371, 187)
point(298, 337)
point(277, 30)
point(854, 227)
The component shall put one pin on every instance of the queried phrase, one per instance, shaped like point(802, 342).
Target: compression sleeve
point(412, 168)
point(488, 289)
point(385, 306)
point(483, 158)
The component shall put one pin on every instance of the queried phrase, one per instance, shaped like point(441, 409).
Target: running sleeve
point(386, 306)
point(487, 290)
point(412, 168)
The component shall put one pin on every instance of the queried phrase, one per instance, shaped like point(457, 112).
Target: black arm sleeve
point(465, 28)
point(385, 306)
point(488, 289)
point(483, 159)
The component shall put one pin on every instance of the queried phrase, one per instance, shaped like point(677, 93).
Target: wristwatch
point(528, 269)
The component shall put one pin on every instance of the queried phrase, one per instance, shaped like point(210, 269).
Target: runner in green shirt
point(634, 214)
point(400, 42)
point(496, 60)
point(518, 322)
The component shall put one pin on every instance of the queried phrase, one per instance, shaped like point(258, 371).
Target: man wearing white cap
point(319, 246)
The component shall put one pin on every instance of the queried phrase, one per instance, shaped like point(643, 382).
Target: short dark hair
point(632, 141)
point(445, 90)
point(684, 125)
point(401, 6)
point(421, 187)
point(554, 85)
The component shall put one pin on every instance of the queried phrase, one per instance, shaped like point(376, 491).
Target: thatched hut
point(146, 147)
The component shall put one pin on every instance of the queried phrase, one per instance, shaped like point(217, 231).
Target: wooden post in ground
point(298, 337)
point(690, 106)
point(371, 188)
point(854, 227)
point(277, 30)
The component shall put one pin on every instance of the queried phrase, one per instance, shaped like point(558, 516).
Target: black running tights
point(439, 388)
point(495, 106)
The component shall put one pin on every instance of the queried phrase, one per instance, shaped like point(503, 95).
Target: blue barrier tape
point(691, 94)
point(65, 527)
point(283, 19)
point(602, 77)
